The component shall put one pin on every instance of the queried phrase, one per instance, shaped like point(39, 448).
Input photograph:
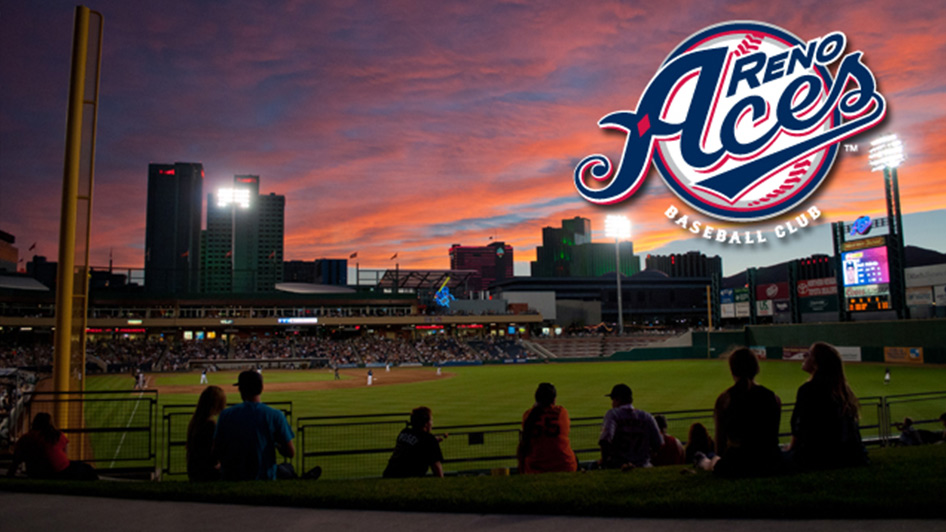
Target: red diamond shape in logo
point(643, 125)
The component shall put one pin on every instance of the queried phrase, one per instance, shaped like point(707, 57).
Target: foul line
point(130, 418)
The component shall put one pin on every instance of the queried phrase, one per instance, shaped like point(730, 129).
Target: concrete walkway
point(32, 512)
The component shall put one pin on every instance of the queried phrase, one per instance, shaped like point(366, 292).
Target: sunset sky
point(407, 126)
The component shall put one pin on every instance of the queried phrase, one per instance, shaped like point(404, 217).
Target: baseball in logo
point(742, 121)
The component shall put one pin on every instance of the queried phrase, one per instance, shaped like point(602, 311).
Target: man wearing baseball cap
point(628, 435)
point(249, 434)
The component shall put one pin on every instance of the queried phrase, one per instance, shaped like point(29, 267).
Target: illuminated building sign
point(297, 321)
point(443, 297)
point(861, 226)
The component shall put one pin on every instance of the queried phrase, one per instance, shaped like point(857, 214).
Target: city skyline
point(394, 129)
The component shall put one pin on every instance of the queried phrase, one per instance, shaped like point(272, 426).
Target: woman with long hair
point(543, 443)
point(202, 465)
point(699, 445)
point(747, 417)
point(825, 430)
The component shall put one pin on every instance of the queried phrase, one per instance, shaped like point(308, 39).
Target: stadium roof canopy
point(21, 282)
point(309, 288)
point(426, 279)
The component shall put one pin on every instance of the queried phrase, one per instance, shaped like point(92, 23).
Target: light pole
point(618, 227)
point(886, 153)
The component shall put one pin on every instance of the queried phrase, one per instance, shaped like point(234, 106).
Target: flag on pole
point(273, 254)
point(394, 257)
point(185, 254)
point(353, 255)
point(229, 254)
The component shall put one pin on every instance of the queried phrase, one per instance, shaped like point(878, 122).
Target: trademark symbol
point(850, 148)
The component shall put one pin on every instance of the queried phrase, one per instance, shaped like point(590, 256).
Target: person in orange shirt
point(543, 441)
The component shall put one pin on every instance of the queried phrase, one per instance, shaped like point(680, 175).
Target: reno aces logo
point(742, 120)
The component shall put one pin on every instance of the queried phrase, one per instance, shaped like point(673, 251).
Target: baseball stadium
point(218, 383)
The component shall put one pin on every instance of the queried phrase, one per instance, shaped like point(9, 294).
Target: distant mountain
point(915, 256)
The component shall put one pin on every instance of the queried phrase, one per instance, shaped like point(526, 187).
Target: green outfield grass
point(496, 393)
point(470, 395)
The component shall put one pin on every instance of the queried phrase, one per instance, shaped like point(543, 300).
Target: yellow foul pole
point(76, 211)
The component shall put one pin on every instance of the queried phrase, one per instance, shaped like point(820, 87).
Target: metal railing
point(111, 430)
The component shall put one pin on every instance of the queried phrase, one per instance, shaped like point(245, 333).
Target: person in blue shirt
point(249, 434)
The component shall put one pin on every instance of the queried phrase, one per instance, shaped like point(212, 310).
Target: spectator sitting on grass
point(202, 465)
point(825, 430)
point(249, 434)
point(910, 435)
point(416, 449)
point(671, 452)
point(43, 450)
point(543, 445)
point(628, 435)
point(747, 417)
point(699, 445)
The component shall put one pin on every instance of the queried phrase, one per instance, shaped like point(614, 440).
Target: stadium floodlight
point(231, 196)
point(886, 152)
point(619, 228)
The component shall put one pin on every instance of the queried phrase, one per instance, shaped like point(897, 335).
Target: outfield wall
point(872, 337)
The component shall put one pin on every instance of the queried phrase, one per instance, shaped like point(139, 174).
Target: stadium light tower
point(886, 153)
point(619, 228)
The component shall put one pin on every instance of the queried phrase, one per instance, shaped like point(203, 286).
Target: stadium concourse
point(24, 512)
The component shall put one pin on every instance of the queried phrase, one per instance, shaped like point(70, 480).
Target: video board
point(865, 267)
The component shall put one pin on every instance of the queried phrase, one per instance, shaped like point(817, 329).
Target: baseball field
point(491, 394)
point(500, 393)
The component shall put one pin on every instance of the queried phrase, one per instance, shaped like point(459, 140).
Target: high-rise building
point(172, 227)
point(320, 271)
point(9, 255)
point(689, 264)
point(553, 257)
point(244, 239)
point(569, 252)
point(493, 262)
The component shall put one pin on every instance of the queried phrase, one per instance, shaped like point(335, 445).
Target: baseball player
point(203, 377)
point(370, 377)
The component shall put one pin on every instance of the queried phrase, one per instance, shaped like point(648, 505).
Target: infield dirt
point(351, 378)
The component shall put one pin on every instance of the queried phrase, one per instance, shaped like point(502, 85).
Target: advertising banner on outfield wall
point(765, 307)
point(818, 304)
point(939, 295)
point(848, 353)
point(726, 296)
point(925, 275)
point(913, 355)
point(741, 294)
point(758, 351)
point(771, 291)
point(825, 286)
point(919, 296)
point(727, 310)
point(743, 310)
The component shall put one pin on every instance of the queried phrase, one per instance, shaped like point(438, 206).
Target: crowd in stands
point(123, 355)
